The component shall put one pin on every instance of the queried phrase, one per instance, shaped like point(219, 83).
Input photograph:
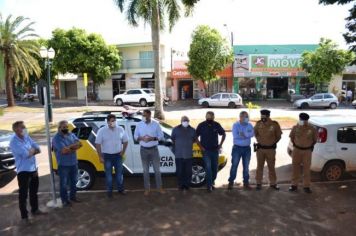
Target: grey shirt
point(183, 139)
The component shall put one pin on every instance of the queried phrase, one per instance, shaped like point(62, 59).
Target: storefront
point(184, 87)
point(270, 72)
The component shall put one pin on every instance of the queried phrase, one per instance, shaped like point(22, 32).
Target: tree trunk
point(155, 35)
point(8, 82)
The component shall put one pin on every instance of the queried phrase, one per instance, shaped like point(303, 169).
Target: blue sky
point(252, 21)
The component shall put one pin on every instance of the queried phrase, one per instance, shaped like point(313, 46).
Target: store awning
point(117, 76)
point(67, 77)
point(142, 76)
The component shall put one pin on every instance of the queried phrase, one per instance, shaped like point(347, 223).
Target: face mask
point(112, 124)
point(301, 122)
point(24, 132)
point(65, 131)
point(209, 120)
point(185, 124)
point(246, 120)
point(263, 119)
point(144, 119)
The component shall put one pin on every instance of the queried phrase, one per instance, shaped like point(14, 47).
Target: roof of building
point(274, 49)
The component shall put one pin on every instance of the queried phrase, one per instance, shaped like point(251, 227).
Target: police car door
point(166, 154)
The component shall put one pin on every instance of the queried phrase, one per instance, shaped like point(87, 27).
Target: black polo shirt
point(209, 134)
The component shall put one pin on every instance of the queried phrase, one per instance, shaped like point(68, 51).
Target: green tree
point(153, 12)
point(350, 35)
point(78, 52)
point(18, 52)
point(209, 53)
point(326, 61)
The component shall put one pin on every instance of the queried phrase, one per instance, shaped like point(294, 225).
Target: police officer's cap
point(265, 112)
point(303, 116)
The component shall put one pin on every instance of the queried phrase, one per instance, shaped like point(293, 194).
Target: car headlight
point(5, 149)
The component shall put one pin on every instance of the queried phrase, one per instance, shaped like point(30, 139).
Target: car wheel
point(232, 105)
point(333, 106)
point(143, 102)
point(333, 171)
point(198, 174)
point(304, 105)
point(205, 104)
point(86, 176)
point(119, 102)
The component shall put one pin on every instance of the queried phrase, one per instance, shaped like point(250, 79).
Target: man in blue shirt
point(242, 132)
point(24, 150)
point(65, 145)
point(148, 132)
point(209, 132)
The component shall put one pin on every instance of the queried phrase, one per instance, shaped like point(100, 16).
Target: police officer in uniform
point(303, 136)
point(267, 133)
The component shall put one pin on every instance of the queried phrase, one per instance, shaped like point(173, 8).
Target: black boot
point(274, 186)
point(307, 190)
point(258, 187)
point(293, 188)
point(230, 185)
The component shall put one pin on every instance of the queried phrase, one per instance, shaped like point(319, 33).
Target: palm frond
point(173, 9)
point(132, 12)
point(120, 4)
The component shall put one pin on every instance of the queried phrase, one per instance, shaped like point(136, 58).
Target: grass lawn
point(226, 123)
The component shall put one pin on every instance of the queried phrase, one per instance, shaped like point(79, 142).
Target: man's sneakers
point(25, 222)
point(247, 186)
point(210, 189)
point(293, 188)
point(274, 187)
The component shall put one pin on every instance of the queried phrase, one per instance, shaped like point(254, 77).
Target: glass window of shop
point(148, 83)
point(217, 86)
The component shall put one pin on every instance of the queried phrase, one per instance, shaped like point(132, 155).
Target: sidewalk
point(330, 210)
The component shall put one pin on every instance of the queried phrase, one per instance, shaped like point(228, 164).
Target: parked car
point(335, 150)
point(231, 100)
point(354, 104)
point(319, 100)
point(143, 97)
point(86, 128)
point(7, 161)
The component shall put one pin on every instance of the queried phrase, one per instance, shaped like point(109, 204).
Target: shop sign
point(276, 63)
point(180, 74)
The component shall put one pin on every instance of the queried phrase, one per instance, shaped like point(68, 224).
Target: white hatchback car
point(335, 151)
point(231, 100)
point(143, 97)
point(319, 100)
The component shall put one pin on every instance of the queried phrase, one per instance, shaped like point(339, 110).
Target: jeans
point(238, 153)
point(184, 172)
point(211, 159)
point(68, 176)
point(110, 161)
point(28, 182)
point(148, 156)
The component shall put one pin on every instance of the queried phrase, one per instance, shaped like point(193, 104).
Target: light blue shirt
point(20, 149)
point(152, 129)
point(242, 134)
point(60, 141)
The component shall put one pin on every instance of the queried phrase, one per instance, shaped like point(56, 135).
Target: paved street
point(330, 210)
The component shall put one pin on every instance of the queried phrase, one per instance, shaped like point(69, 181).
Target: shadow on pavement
point(6, 178)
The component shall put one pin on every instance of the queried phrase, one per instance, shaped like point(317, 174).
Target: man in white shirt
point(148, 132)
point(111, 143)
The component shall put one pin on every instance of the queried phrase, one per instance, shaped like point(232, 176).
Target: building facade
point(184, 87)
point(270, 71)
point(137, 71)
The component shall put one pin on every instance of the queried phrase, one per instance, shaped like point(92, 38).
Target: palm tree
point(18, 52)
point(153, 12)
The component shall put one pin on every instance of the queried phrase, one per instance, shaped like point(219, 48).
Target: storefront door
point(277, 87)
point(185, 89)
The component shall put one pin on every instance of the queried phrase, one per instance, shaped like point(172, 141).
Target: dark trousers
point(184, 172)
point(211, 161)
point(68, 176)
point(28, 182)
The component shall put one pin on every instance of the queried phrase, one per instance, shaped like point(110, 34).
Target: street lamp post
point(48, 55)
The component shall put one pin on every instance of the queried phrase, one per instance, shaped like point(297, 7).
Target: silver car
point(319, 100)
point(231, 100)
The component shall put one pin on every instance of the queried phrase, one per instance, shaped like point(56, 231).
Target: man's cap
point(265, 112)
point(303, 116)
